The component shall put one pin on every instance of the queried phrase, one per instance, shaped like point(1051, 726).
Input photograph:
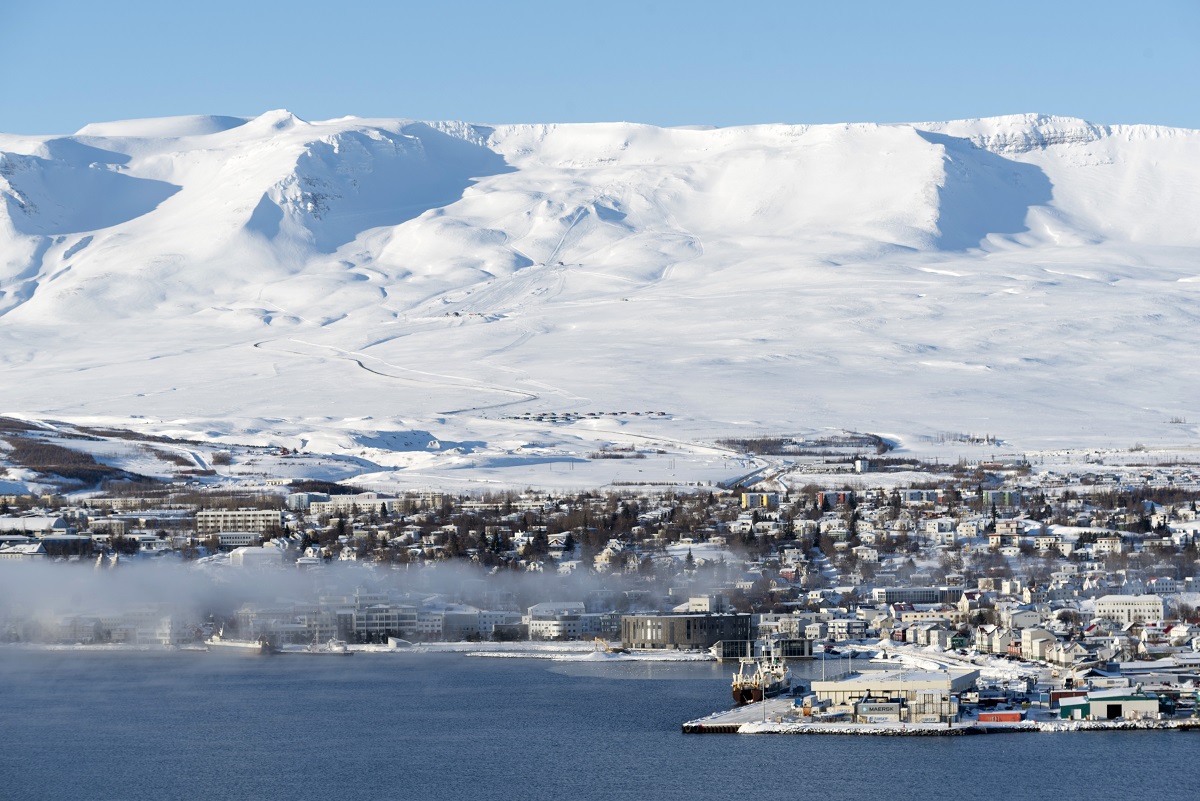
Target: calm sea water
point(130, 726)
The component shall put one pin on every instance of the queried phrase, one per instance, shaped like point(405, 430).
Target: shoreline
point(939, 730)
point(523, 649)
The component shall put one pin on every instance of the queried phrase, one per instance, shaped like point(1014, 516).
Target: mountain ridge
point(773, 276)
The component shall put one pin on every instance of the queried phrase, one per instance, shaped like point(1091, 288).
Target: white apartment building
point(1125, 609)
point(258, 521)
point(236, 539)
point(555, 620)
point(362, 503)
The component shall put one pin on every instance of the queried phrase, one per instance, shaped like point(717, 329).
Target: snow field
point(344, 282)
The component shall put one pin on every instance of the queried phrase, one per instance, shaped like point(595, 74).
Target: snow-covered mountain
point(371, 286)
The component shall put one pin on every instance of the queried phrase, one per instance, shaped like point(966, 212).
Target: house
point(991, 639)
point(971, 601)
point(941, 530)
point(1163, 585)
point(865, 553)
point(1068, 653)
point(1010, 528)
point(971, 528)
point(1046, 542)
point(1182, 633)
point(1018, 618)
point(934, 633)
point(1002, 541)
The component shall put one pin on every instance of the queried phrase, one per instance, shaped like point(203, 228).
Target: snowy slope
point(340, 285)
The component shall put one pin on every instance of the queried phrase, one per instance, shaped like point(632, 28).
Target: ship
point(333, 647)
point(222, 643)
point(768, 677)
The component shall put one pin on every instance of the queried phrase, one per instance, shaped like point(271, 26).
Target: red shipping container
point(1014, 716)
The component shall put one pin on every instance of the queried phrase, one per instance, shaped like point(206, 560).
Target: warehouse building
point(1111, 704)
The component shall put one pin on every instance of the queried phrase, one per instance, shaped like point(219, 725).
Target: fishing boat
point(333, 647)
point(757, 679)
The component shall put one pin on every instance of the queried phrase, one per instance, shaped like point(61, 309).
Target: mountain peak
point(277, 119)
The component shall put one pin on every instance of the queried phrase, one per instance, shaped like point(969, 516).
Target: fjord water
point(104, 725)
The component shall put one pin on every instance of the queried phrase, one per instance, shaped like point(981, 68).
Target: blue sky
point(67, 63)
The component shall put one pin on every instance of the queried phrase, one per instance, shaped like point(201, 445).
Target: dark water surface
point(103, 725)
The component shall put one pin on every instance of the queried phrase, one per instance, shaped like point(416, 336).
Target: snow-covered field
point(459, 305)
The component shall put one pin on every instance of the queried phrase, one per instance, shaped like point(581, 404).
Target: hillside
point(419, 294)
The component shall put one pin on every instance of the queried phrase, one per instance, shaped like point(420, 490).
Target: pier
point(777, 716)
point(730, 721)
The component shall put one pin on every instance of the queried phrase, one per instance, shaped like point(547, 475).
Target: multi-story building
point(489, 621)
point(757, 500)
point(555, 620)
point(916, 595)
point(842, 629)
point(1126, 609)
point(362, 503)
point(259, 521)
point(682, 632)
point(429, 624)
point(302, 501)
point(460, 622)
point(373, 623)
point(236, 539)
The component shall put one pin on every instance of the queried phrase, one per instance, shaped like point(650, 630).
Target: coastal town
point(599, 402)
point(1015, 596)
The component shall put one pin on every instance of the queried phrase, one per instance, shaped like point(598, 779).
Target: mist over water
point(79, 588)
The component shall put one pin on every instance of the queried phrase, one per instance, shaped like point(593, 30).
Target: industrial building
point(1110, 704)
point(894, 696)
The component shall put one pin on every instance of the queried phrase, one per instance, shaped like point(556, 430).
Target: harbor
point(939, 702)
point(779, 716)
